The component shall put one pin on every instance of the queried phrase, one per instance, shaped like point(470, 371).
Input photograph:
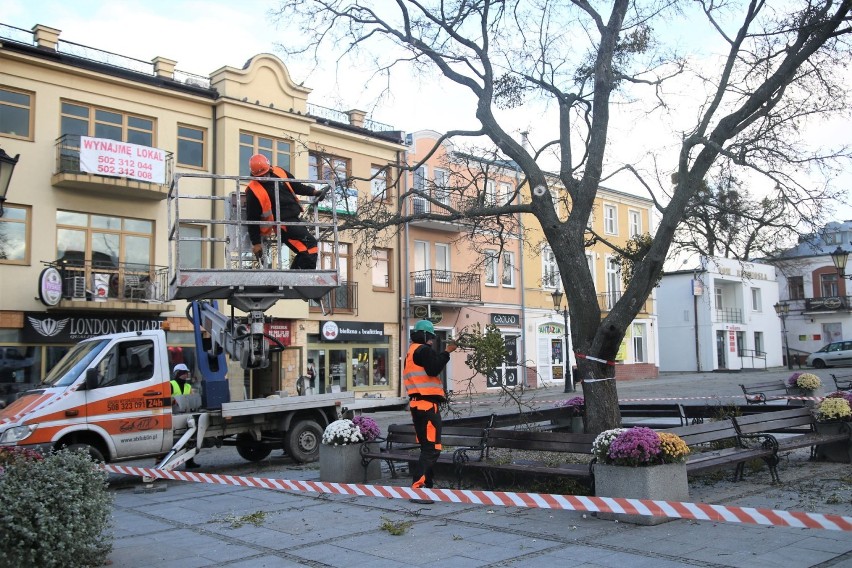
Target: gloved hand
point(257, 250)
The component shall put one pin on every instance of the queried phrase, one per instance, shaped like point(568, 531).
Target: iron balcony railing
point(343, 298)
point(445, 285)
point(728, 315)
point(607, 301)
point(68, 159)
point(102, 280)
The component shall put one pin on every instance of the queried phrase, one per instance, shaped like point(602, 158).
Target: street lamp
point(7, 166)
point(557, 301)
point(783, 310)
point(839, 258)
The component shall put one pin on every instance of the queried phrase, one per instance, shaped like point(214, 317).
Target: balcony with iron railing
point(607, 301)
point(126, 180)
point(420, 205)
point(342, 299)
point(728, 315)
point(443, 285)
point(111, 285)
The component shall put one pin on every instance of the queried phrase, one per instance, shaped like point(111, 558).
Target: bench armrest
point(765, 441)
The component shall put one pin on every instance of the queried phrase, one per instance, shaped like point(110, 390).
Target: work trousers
point(427, 427)
point(299, 239)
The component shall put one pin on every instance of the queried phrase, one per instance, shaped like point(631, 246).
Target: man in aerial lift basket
point(262, 202)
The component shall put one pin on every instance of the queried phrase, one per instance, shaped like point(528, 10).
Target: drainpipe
point(213, 166)
point(404, 306)
point(523, 288)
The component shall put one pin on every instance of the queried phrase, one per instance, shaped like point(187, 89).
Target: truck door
point(132, 402)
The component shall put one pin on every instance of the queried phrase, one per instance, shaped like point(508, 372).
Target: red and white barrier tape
point(645, 507)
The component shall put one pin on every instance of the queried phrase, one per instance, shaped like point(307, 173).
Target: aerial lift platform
point(245, 282)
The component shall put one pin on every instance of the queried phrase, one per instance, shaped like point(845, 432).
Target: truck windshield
point(74, 363)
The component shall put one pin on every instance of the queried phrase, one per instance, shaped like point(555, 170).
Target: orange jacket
point(417, 383)
point(266, 214)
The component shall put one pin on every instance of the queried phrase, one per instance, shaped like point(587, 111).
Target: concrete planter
point(795, 391)
point(665, 482)
point(839, 452)
point(342, 464)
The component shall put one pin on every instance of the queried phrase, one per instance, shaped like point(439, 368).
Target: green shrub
point(53, 511)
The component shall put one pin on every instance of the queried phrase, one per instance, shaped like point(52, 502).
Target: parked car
point(833, 354)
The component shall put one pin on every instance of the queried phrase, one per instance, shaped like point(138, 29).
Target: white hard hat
point(180, 367)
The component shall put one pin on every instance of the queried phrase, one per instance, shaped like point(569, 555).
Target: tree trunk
point(601, 396)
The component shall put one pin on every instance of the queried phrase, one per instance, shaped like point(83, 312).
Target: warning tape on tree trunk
point(645, 507)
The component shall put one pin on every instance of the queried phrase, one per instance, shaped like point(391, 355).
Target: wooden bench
point(701, 435)
point(400, 445)
point(788, 421)
point(698, 413)
point(534, 418)
point(667, 415)
point(842, 383)
point(530, 440)
point(759, 393)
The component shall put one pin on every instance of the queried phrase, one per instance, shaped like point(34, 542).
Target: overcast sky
point(204, 35)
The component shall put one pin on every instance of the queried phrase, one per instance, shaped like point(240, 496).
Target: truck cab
point(110, 394)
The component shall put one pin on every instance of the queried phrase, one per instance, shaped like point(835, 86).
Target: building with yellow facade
point(101, 220)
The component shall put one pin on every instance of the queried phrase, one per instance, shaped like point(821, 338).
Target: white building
point(819, 301)
point(719, 317)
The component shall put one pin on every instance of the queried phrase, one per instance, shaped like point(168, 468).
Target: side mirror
point(92, 379)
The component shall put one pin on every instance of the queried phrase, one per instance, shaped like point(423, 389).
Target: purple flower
point(368, 427)
point(791, 382)
point(841, 394)
point(635, 446)
point(574, 405)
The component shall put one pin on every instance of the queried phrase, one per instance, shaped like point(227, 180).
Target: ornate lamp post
point(783, 310)
point(557, 302)
point(7, 166)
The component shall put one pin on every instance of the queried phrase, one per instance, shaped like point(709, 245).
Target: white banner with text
point(122, 159)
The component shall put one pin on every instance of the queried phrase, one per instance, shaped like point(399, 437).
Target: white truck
point(91, 400)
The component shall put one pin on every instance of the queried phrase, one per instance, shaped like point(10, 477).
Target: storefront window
point(348, 367)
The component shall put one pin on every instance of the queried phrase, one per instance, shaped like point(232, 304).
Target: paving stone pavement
point(196, 525)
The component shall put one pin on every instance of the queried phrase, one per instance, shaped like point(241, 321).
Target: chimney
point(356, 117)
point(164, 67)
point(45, 37)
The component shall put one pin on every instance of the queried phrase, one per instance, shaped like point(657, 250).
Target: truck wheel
point(251, 450)
point(302, 441)
point(92, 451)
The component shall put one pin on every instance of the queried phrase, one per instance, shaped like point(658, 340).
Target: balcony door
point(422, 281)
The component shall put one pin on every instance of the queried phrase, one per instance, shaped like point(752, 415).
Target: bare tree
point(725, 219)
point(775, 71)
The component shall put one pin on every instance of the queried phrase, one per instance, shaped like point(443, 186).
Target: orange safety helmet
point(259, 165)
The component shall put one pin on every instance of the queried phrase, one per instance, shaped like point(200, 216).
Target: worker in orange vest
point(263, 202)
point(425, 392)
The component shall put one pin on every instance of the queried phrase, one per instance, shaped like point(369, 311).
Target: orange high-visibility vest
point(415, 379)
point(265, 203)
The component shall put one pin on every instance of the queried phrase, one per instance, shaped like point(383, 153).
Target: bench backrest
point(540, 441)
point(651, 411)
point(450, 435)
point(842, 383)
point(759, 392)
point(708, 411)
point(706, 432)
point(774, 421)
point(511, 419)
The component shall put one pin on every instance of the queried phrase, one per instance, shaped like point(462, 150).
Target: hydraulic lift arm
point(242, 339)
